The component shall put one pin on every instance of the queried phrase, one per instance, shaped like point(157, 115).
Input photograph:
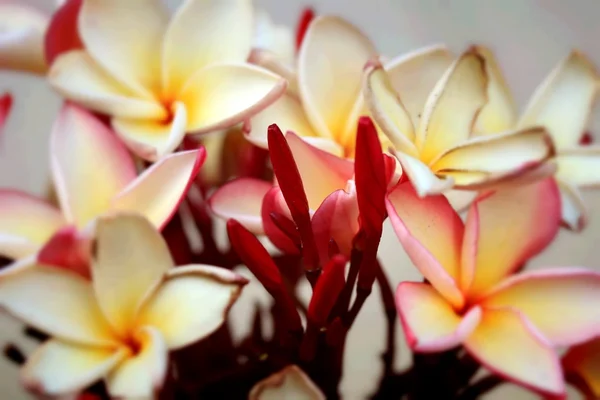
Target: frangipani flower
point(324, 99)
point(511, 324)
point(159, 79)
point(584, 361)
point(562, 104)
point(120, 326)
point(289, 383)
point(93, 174)
point(438, 152)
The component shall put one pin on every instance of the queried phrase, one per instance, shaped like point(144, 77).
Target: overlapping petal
point(289, 383)
point(424, 180)
point(62, 368)
point(129, 260)
point(560, 302)
point(191, 303)
point(58, 302)
point(89, 165)
point(509, 345)
point(574, 212)
point(26, 222)
point(579, 167)
point(513, 225)
point(331, 61)
point(22, 31)
point(429, 321)
point(241, 199)
point(159, 190)
point(274, 205)
point(564, 101)
point(431, 233)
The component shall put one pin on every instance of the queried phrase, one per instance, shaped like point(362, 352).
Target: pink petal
point(431, 233)
point(241, 199)
point(26, 223)
point(322, 173)
point(67, 249)
point(89, 165)
point(429, 321)
point(561, 302)
point(159, 190)
point(512, 225)
point(62, 34)
point(509, 345)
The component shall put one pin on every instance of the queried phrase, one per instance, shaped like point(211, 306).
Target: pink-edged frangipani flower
point(511, 324)
point(583, 361)
point(120, 326)
point(289, 383)
point(159, 77)
point(438, 152)
point(93, 174)
point(563, 104)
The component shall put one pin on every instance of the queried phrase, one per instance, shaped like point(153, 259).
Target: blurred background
point(528, 36)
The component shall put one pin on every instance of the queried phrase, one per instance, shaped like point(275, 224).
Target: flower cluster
point(174, 120)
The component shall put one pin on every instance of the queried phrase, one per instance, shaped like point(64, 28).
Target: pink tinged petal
point(579, 167)
point(76, 76)
point(274, 205)
point(287, 112)
point(431, 233)
point(202, 33)
point(89, 165)
point(422, 177)
point(21, 38)
point(483, 161)
point(141, 375)
point(336, 219)
point(241, 199)
point(192, 302)
point(563, 102)
point(509, 345)
point(62, 34)
point(574, 213)
point(26, 222)
point(388, 111)
point(561, 302)
point(326, 145)
point(289, 383)
point(58, 302)
point(67, 248)
point(223, 95)
point(61, 368)
point(414, 75)
point(513, 225)
point(430, 322)
point(330, 69)
point(322, 173)
point(124, 38)
point(452, 106)
point(500, 112)
point(584, 360)
point(159, 190)
point(153, 139)
point(129, 260)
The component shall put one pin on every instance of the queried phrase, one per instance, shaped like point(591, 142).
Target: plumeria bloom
point(510, 323)
point(93, 174)
point(120, 326)
point(289, 383)
point(563, 104)
point(438, 152)
point(584, 362)
point(324, 100)
point(158, 78)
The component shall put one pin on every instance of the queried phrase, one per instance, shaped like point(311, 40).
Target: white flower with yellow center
point(120, 326)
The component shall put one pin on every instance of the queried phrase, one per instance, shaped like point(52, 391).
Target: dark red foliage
point(62, 34)
point(326, 291)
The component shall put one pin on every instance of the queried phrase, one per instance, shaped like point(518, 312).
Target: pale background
point(529, 38)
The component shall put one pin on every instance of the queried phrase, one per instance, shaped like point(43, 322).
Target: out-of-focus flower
point(511, 324)
point(289, 383)
point(6, 102)
point(278, 40)
point(158, 78)
point(324, 100)
point(562, 104)
point(121, 325)
point(438, 152)
point(22, 30)
point(93, 174)
point(584, 361)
